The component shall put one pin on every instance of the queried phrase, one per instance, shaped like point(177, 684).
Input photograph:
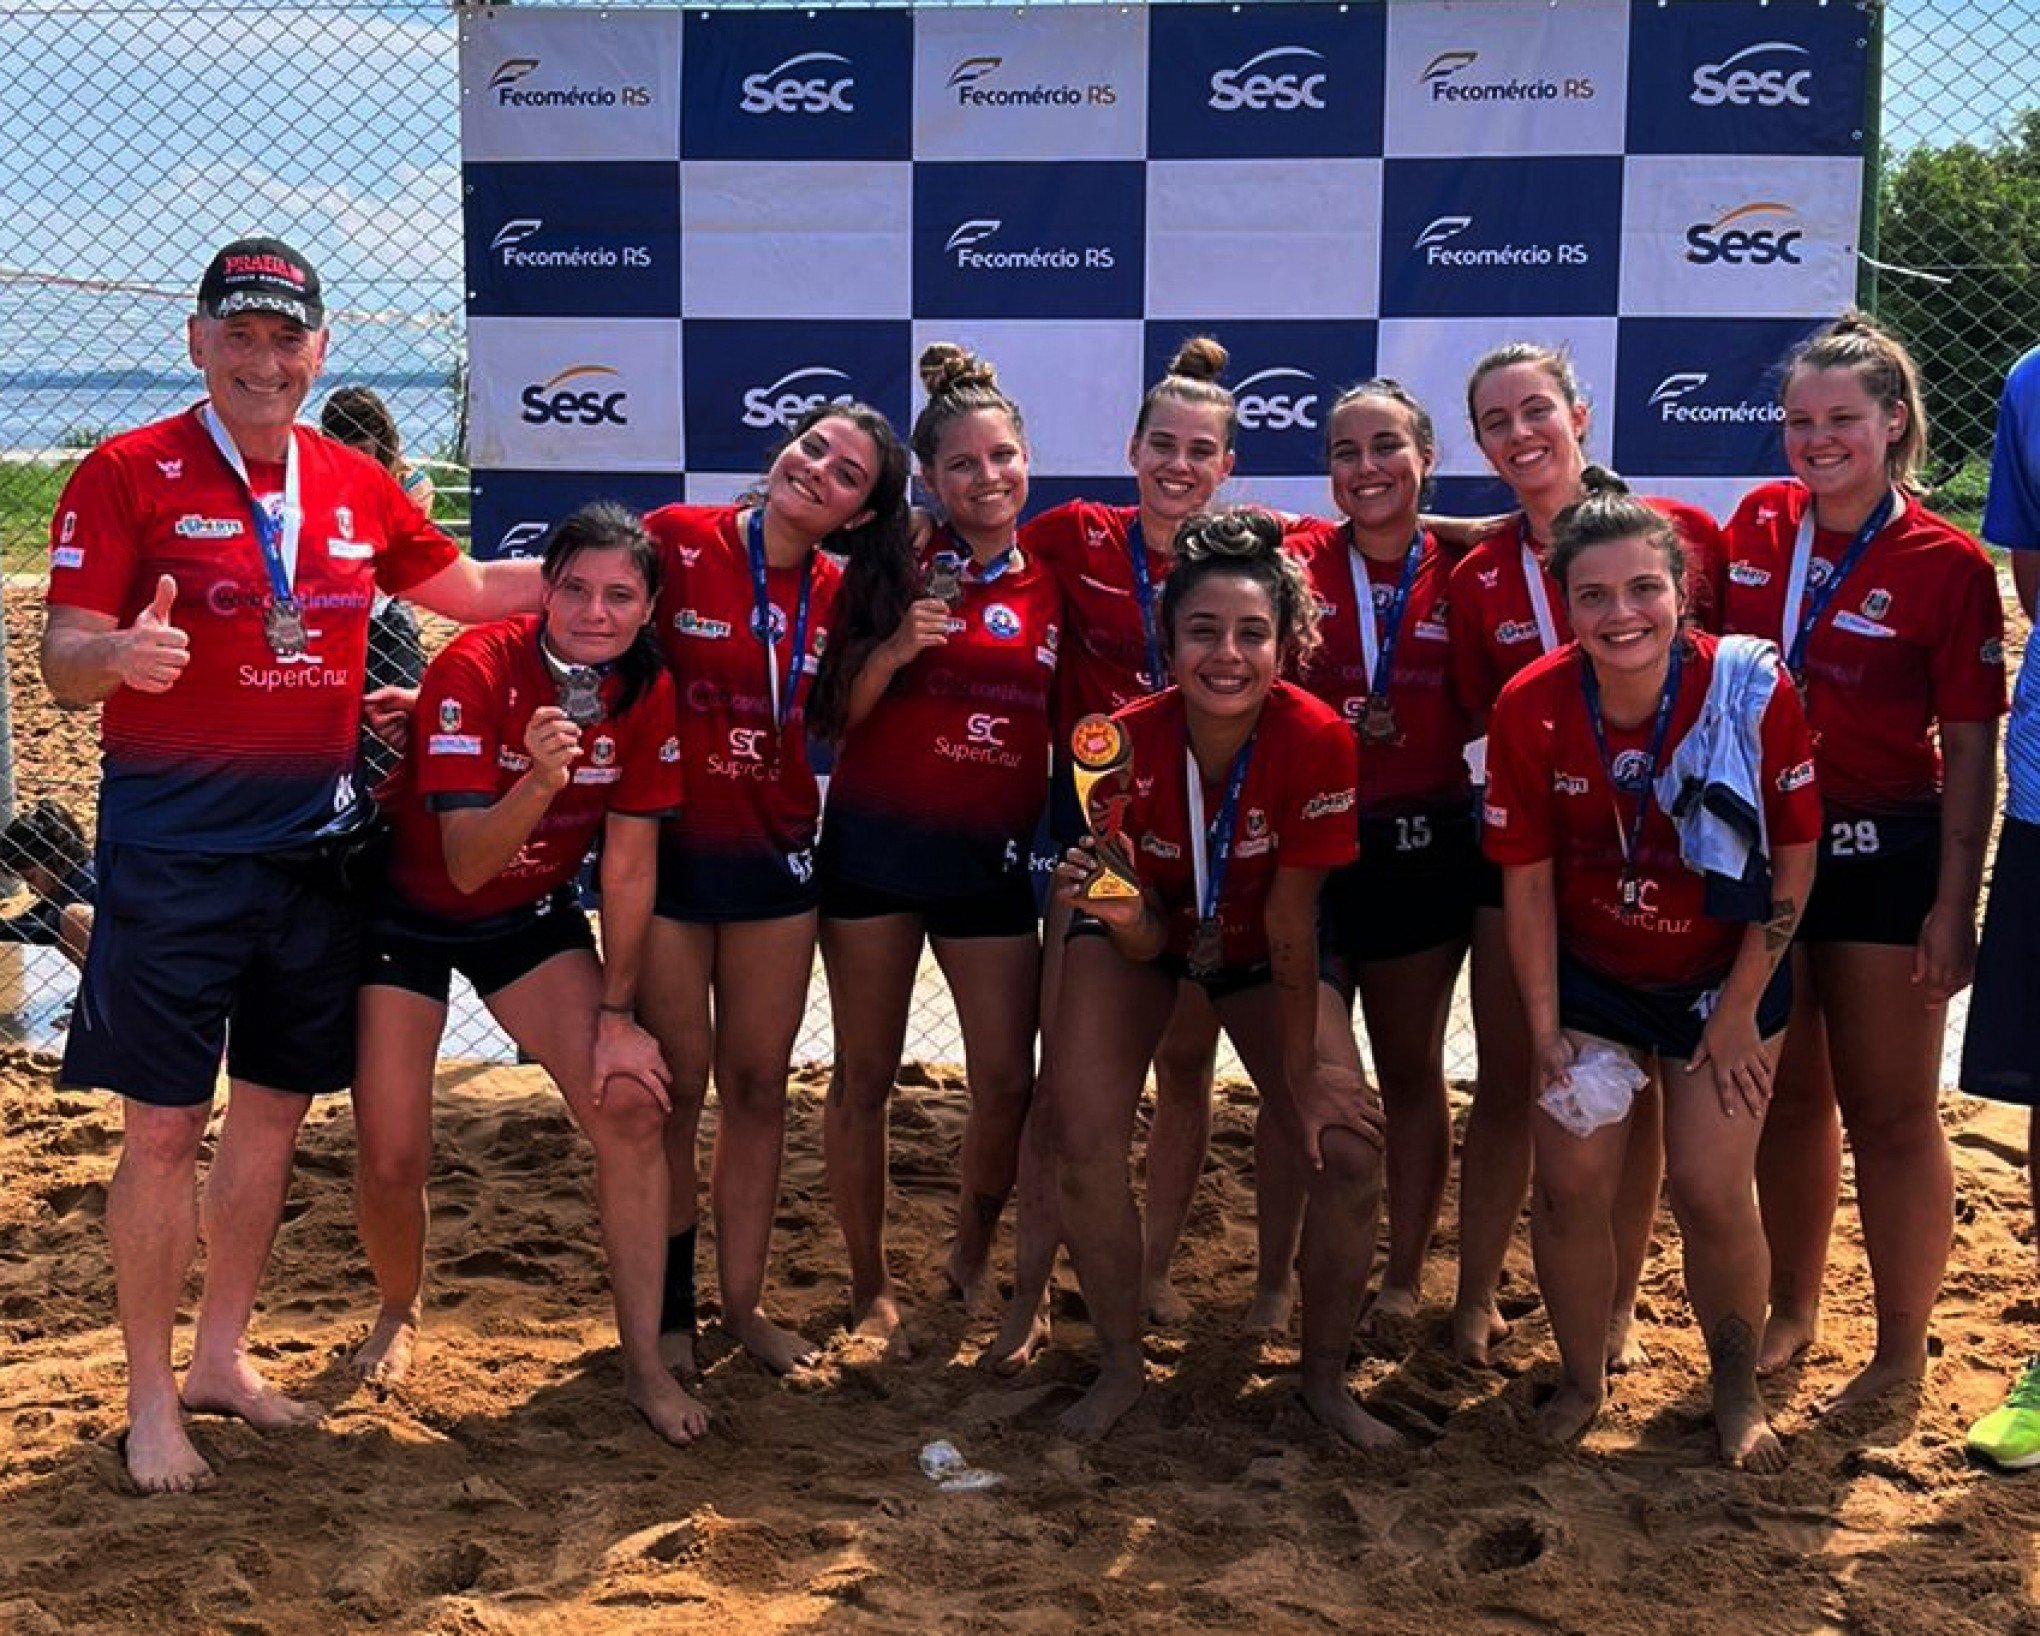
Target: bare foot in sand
point(1024, 1333)
point(1626, 1350)
point(1269, 1312)
point(1116, 1390)
point(668, 1410)
point(385, 1357)
point(780, 1350)
point(1163, 1305)
point(1475, 1332)
point(676, 1350)
point(1339, 1411)
point(238, 1389)
point(1747, 1441)
point(160, 1456)
point(879, 1320)
point(1788, 1337)
point(1393, 1310)
point(971, 1285)
point(1878, 1377)
point(1568, 1414)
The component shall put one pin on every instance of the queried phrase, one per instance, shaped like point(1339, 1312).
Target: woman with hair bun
point(1626, 953)
point(1238, 798)
point(938, 788)
point(1890, 619)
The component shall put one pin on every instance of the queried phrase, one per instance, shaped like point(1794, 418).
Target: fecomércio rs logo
point(1464, 237)
point(986, 82)
point(1029, 240)
point(1699, 396)
point(551, 238)
point(522, 83)
point(1457, 77)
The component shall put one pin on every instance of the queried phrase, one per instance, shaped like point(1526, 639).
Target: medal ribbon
point(1629, 831)
point(1533, 582)
point(1797, 628)
point(761, 600)
point(1144, 593)
point(276, 537)
point(1211, 845)
point(1377, 640)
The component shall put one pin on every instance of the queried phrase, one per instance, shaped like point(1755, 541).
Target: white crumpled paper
point(1603, 1081)
point(943, 1464)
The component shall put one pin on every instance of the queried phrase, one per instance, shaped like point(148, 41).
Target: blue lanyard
point(1144, 593)
point(1391, 622)
point(761, 600)
point(1824, 593)
point(269, 526)
point(1218, 834)
point(967, 570)
point(1630, 832)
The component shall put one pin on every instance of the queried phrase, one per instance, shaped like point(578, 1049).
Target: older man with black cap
point(210, 582)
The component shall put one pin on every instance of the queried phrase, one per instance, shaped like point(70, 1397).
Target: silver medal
point(283, 624)
point(581, 694)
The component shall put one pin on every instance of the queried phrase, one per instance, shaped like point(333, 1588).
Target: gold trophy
point(1103, 774)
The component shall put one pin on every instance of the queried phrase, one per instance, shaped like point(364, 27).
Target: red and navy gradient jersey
point(1914, 635)
point(467, 742)
point(1105, 653)
point(752, 801)
point(246, 752)
point(1494, 625)
point(1295, 812)
point(1423, 768)
point(937, 792)
point(1549, 796)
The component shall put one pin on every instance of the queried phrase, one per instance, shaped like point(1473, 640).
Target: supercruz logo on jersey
point(788, 85)
point(748, 383)
point(1466, 237)
point(580, 241)
point(1018, 240)
point(1747, 78)
point(1699, 396)
point(1283, 376)
point(1266, 82)
point(514, 510)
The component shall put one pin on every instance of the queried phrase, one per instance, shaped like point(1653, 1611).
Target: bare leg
point(1178, 1139)
point(1281, 1195)
point(1799, 1175)
point(244, 1194)
point(152, 1231)
point(673, 1003)
point(1494, 1160)
point(1636, 1202)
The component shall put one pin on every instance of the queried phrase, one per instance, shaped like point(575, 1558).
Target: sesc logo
point(1447, 78)
point(511, 92)
point(1769, 74)
point(787, 399)
point(1261, 87)
point(780, 91)
point(556, 402)
point(974, 80)
point(1762, 239)
point(1278, 399)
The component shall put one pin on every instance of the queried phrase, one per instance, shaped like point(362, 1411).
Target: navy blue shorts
point(1876, 880)
point(420, 953)
point(1222, 984)
point(1006, 910)
point(192, 954)
point(2001, 1046)
point(713, 889)
point(1668, 1021)
point(1412, 890)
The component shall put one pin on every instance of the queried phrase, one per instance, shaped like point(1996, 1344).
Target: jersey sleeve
point(2011, 507)
point(651, 782)
point(458, 725)
point(414, 547)
point(1969, 657)
point(1792, 813)
point(1319, 829)
point(93, 538)
point(1516, 817)
point(1706, 562)
point(1049, 539)
point(1473, 678)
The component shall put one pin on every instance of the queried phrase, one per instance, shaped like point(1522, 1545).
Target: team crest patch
point(1631, 770)
point(775, 621)
point(1002, 621)
point(449, 715)
point(69, 529)
point(1877, 604)
point(669, 752)
point(1257, 822)
point(343, 519)
point(1819, 571)
point(603, 752)
point(171, 469)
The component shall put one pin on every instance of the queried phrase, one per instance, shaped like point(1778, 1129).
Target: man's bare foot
point(1747, 1441)
point(676, 1349)
point(1337, 1409)
point(237, 1388)
point(1569, 1413)
point(1024, 1333)
point(1626, 1350)
point(1788, 1337)
point(1476, 1331)
point(1269, 1312)
point(668, 1410)
point(160, 1456)
point(879, 1320)
point(1116, 1390)
point(1877, 1378)
point(385, 1357)
point(780, 1350)
point(1163, 1305)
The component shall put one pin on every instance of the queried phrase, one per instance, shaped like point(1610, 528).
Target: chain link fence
point(139, 136)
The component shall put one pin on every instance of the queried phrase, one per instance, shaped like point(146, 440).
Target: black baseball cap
point(261, 275)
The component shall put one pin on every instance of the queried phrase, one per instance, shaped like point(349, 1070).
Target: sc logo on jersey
point(781, 91)
point(1280, 399)
point(1275, 80)
point(579, 395)
point(1765, 75)
point(983, 728)
point(746, 743)
point(1760, 238)
point(794, 394)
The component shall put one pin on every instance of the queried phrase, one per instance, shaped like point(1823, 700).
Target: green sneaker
point(2009, 1436)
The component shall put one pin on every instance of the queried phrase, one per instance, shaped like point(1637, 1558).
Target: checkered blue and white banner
point(684, 228)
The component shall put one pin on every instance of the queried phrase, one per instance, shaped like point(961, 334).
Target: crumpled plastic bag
point(1603, 1082)
point(943, 1464)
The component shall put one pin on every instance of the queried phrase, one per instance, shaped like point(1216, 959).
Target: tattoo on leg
point(1779, 928)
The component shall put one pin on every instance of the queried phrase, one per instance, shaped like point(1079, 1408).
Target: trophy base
point(1109, 886)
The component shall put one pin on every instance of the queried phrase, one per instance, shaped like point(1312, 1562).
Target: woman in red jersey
point(1393, 927)
point(1613, 941)
point(750, 604)
point(1238, 798)
point(1891, 621)
point(1531, 422)
point(932, 811)
point(534, 737)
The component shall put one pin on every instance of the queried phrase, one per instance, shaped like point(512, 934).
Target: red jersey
point(1549, 796)
point(467, 748)
point(1422, 768)
point(937, 792)
point(1089, 550)
point(1914, 635)
point(1499, 625)
point(247, 752)
point(1295, 812)
point(752, 801)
